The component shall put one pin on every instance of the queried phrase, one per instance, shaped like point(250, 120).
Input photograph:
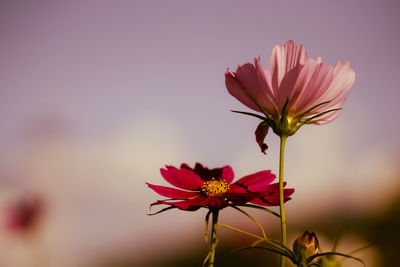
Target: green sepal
point(283, 123)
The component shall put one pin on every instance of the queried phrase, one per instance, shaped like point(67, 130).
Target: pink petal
point(286, 87)
point(182, 178)
point(264, 93)
point(190, 204)
point(172, 192)
point(312, 79)
point(343, 79)
point(237, 91)
point(283, 59)
point(227, 174)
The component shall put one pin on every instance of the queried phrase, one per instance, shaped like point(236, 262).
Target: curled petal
point(261, 132)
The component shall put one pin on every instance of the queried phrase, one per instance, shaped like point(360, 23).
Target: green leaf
point(300, 116)
point(261, 208)
point(309, 120)
point(315, 264)
point(280, 252)
point(206, 226)
point(259, 106)
point(272, 242)
point(334, 253)
point(164, 209)
point(253, 219)
point(250, 114)
point(362, 248)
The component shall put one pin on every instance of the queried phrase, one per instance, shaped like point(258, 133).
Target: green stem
point(213, 237)
point(281, 196)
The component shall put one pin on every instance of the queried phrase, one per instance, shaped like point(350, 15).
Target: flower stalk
point(281, 196)
point(214, 240)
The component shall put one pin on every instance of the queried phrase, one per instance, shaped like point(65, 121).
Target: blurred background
point(97, 96)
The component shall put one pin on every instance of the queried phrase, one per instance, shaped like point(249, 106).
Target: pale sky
point(96, 96)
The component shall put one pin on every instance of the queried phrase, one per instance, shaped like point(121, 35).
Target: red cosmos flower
point(212, 188)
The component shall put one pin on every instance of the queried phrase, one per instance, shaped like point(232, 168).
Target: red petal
point(190, 204)
point(215, 202)
point(255, 182)
point(172, 192)
point(182, 178)
point(240, 198)
point(272, 199)
point(228, 174)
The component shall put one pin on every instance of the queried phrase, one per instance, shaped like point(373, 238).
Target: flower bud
point(305, 246)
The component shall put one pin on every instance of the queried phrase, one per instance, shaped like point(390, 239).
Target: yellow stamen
point(215, 187)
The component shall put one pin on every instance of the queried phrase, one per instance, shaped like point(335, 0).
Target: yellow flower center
point(215, 187)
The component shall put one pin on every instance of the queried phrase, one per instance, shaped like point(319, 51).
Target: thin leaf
point(209, 253)
point(206, 259)
point(300, 116)
point(250, 114)
point(282, 246)
point(316, 116)
point(206, 227)
point(267, 240)
point(261, 208)
point(362, 248)
point(253, 219)
point(259, 247)
point(259, 106)
point(255, 243)
point(338, 237)
point(241, 231)
point(334, 253)
point(164, 209)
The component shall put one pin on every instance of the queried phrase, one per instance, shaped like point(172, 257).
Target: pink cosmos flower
point(296, 90)
point(212, 188)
